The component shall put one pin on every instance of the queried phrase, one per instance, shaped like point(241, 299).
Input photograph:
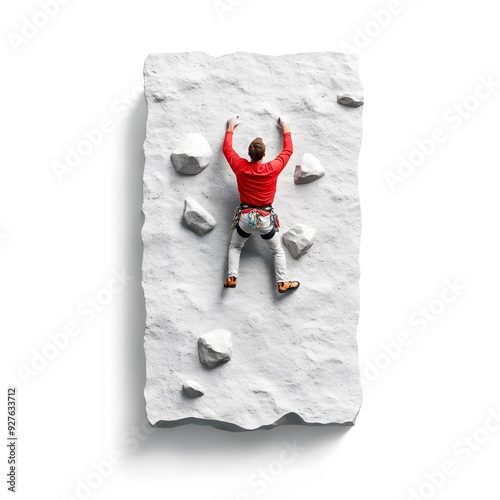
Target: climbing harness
point(236, 217)
point(275, 221)
point(254, 212)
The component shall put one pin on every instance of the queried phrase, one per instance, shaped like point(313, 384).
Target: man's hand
point(233, 122)
point(283, 124)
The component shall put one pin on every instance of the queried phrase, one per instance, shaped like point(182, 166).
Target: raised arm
point(231, 155)
point(279, 163)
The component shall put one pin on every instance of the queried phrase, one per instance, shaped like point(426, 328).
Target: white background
point(62, 239)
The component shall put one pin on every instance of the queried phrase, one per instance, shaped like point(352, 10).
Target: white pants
point(274, 244)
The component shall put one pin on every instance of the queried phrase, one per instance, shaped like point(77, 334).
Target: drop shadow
point(189, 438)
point(135, 319)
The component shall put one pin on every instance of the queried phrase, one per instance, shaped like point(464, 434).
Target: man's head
point(257, 149)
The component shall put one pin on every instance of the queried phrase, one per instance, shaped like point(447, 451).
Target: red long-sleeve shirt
point(257, 181)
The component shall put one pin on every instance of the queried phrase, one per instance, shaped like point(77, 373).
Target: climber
point(257, 188)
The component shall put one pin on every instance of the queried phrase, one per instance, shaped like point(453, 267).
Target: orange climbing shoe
point(286, 286)
point(230, 282)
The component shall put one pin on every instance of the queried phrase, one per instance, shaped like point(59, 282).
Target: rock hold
point(215, 347)
point(192, 155)
point(299, 239)
point(197, 218)
point(192, 389)
point(158, 96)
point(351, 99)
point(309, 170)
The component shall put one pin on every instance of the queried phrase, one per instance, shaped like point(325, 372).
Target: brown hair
point(257, 149)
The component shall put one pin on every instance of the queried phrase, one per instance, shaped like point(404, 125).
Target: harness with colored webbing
point(254, 211)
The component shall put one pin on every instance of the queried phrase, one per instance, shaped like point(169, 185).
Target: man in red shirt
point(257, 188)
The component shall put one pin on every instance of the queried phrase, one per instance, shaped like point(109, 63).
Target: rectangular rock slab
point(294, 356)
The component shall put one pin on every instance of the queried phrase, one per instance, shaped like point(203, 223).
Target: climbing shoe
point(286, 286)
point(230, 282)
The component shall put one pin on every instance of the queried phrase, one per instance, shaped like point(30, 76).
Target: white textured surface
point(294, 357)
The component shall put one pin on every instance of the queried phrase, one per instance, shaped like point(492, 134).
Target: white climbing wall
point(294, 356)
